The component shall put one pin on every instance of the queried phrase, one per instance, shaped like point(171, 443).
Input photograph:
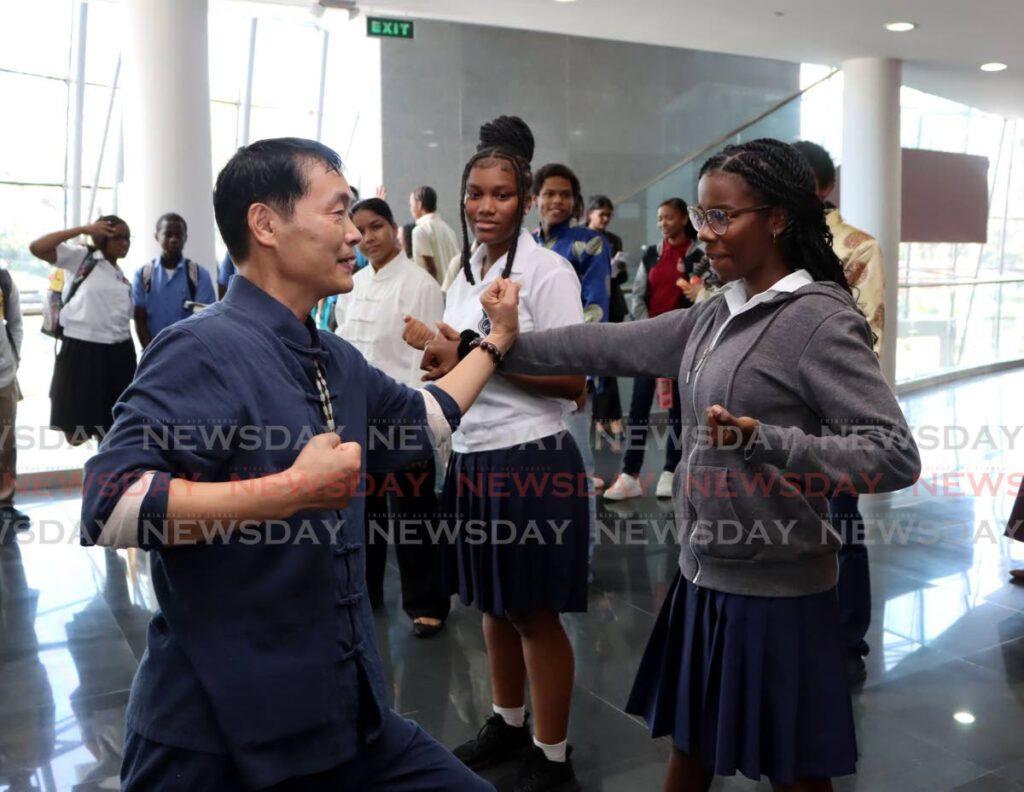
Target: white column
point(871, 181)
point(167, 124)
point(78, 120)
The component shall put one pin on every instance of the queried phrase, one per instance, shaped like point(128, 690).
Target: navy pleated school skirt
point(755, 685)
point(523, 527)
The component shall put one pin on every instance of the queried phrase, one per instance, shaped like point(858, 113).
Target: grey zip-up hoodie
point(754, 520)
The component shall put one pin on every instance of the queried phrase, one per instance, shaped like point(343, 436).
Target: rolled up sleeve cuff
point(140, 515)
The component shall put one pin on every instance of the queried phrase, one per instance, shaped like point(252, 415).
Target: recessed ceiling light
point(565, 1)
point(900, 27)
point(965, 718)
point(993, 67)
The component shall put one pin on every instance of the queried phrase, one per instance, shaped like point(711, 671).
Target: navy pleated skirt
point(523, 527)
point(755, 685)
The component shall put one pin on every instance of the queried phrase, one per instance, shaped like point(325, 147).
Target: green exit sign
point(389, 28)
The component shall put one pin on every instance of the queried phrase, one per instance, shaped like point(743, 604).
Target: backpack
point(55, 299)
point(193, 278)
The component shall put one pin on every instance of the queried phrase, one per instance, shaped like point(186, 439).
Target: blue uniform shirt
point(588, 253)
point(262, 649)
point(168, 291)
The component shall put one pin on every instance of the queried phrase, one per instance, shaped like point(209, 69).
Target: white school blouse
point(549, 296)
point(370, 316)
point(101, 310)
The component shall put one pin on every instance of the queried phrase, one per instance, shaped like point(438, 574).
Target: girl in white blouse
point(370, 317)
point(96, 359)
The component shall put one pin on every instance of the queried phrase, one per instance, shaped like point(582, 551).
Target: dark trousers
point(407, 512)
point(854, 586)
point(403, 759)
point(8, 446)
point(639, 419)
point(607, 402)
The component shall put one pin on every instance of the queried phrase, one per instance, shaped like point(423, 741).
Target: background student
point(10, 395)
point(162, 287)
point(96, 360)
point(370, 317)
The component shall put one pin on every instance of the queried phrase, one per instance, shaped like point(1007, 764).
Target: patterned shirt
point(588, 253)
point(862, 262)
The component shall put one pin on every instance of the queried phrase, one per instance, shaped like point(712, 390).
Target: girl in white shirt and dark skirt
point(516, 483)
point(96, 360)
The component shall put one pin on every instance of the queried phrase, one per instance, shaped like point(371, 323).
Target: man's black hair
point(171, 217)
point(274, 172)
point(598, 202)
point(427, 196)
point(376, 205)
point(556, 170)
point(822, 166)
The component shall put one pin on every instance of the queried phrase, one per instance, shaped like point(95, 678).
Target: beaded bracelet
point(489, 348)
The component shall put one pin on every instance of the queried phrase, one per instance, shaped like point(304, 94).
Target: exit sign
point(389, 28)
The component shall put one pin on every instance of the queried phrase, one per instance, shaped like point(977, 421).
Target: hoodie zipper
point(695, 371)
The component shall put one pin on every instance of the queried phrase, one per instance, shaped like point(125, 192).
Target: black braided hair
point(505, 139)
point(780, 175)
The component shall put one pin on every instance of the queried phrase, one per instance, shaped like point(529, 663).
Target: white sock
point(513, 716)
point(554, 753)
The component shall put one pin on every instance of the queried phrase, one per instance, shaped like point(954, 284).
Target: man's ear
point(529, 205)
point(263, 222)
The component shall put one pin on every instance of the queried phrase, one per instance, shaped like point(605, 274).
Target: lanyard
point(325, 396)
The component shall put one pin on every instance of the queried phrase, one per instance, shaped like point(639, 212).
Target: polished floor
point(943, 707)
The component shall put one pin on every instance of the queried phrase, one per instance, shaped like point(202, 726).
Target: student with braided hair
point(784, 405)
point(517, 472)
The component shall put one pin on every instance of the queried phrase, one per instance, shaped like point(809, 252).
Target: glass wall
point(962, 305)
point(37, 52)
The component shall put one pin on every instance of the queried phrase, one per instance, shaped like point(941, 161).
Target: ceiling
point(941, 56)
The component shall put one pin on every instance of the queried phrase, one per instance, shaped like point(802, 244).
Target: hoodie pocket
point(715, 528)
point(739, 516)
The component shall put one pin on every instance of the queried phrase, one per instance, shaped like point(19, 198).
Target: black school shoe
point(537, 773)
point(495, 742)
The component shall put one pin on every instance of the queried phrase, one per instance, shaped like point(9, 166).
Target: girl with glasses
point(784, 404)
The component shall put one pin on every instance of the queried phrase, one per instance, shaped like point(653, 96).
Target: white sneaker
point(664, 488)
point(625, 486)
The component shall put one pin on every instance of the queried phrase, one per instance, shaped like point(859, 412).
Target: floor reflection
point(941, 709)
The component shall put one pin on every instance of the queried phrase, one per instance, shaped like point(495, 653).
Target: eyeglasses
point(718, 219)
